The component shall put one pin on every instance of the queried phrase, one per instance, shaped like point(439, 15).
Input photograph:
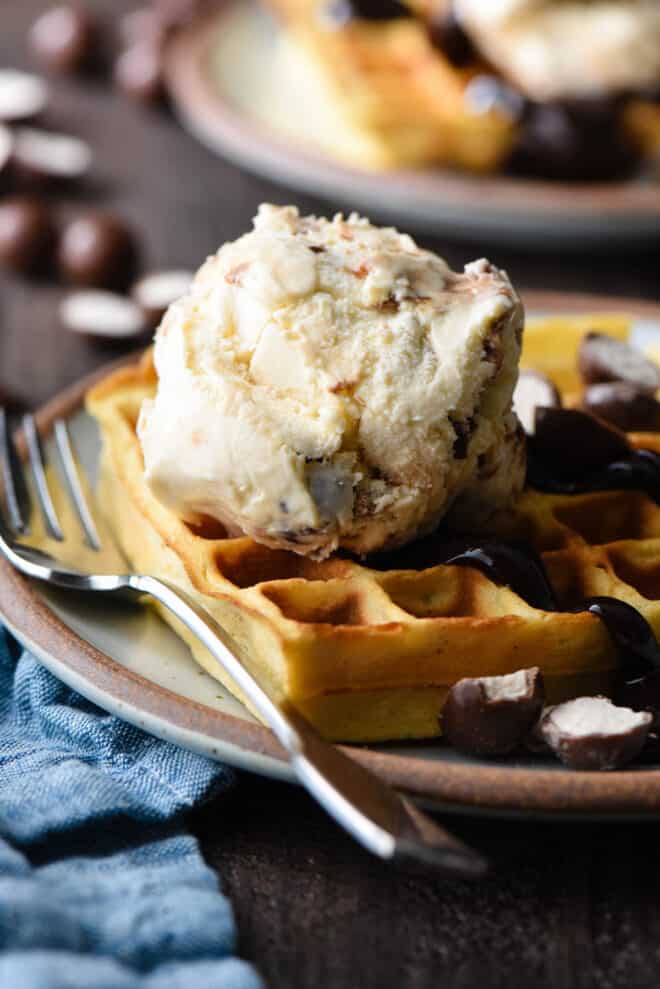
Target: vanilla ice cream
point(555, 49)
point(331, 384)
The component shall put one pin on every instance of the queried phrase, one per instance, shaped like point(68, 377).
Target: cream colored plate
point(125, 659)
point(226, 80)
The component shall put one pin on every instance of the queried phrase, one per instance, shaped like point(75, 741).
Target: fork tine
point(8, 467)
point(63, 441)
point(43, 494)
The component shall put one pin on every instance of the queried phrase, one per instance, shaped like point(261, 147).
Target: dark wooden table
point(568, 906)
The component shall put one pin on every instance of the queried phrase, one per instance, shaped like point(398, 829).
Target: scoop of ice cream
point(556, 49)
point(331, 384)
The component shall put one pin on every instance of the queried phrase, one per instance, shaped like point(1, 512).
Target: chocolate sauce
point(630, 632)
point(572, 452)
point(571, 140)
point(515, 565)
point(448, 36)
point(638, 471)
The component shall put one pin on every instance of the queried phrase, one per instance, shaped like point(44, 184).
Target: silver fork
point(383, 821)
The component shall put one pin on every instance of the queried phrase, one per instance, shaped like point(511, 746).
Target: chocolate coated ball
point(98, 250)
point(63, 38)
point(27, 234)
point(138, 72)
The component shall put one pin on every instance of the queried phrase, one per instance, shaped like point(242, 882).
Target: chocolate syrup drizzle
point(639, 470)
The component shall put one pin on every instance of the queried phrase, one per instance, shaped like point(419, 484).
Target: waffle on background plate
point(369, 654)
point(384, 95)
point(398, 100)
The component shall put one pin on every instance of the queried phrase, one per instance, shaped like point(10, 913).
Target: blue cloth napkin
point(100, 885)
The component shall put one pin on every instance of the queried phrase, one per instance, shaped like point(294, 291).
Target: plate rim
point(214, 120)
point(464, 786)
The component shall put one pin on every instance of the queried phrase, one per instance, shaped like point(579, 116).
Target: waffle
point(398, 100)
point(368, 654)
point(382, 96)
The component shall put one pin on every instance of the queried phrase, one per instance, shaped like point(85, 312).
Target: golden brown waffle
point(369, 655)
point(402, 102)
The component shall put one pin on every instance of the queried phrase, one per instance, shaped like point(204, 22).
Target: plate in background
point(124, 658)
point(219, 75)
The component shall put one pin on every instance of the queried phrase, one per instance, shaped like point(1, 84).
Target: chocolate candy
point(337, 13)
point(490, 716)
point(155, 292)
point(577, 139)
point(448, 36)
point(138, 71)
point(574, 443)
point(27, 234)
point(602, 358)
point(41, 157)
point(533, 390)
point(97, 250)
point(624, 405)
point(592, 733)
point(94, 312)
point(63, 38)
point(22, 96)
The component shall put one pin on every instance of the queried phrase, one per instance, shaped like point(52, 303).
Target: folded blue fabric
point(100, 885)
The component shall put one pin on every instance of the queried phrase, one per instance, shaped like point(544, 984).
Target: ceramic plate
point(125, 659)
point(220, 76)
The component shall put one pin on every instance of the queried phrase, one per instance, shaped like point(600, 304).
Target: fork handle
point(379, 818)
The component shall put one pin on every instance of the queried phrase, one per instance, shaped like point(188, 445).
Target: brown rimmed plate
point(219, 74)
point(122, 657)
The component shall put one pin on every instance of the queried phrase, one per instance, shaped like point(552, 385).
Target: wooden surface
point(569, 906)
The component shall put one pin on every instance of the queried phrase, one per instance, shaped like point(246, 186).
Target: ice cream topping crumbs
point(329, 383)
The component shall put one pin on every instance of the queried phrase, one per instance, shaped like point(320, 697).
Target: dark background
point(568, 906)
